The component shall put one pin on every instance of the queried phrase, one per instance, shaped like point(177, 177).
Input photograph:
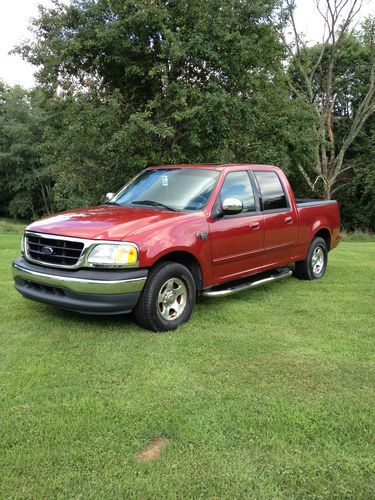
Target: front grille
point(59, 252)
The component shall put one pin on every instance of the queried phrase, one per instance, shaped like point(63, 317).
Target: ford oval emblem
point(47, 250)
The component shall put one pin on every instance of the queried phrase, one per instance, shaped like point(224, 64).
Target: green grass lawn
point(268, 393)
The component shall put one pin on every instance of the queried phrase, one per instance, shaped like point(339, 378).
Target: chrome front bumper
point(84, 290)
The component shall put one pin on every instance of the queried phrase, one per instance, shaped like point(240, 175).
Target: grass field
point(268, 393)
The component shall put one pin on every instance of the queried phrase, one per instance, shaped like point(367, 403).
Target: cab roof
point(214, 166)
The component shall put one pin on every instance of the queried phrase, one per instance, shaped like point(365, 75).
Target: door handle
point(255, 225)
point(289, 220)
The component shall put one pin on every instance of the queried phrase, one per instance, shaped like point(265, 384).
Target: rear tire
point(167, 299)
point(315, 264)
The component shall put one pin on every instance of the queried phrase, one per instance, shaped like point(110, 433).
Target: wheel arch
point(325, 234)
point(186, 259)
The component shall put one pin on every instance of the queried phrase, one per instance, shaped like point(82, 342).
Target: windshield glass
point(170, 189)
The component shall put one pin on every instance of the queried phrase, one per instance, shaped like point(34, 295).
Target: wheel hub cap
point(317, 260)
point(172, 299)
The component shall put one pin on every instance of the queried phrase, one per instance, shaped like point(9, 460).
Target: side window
point(272, 191)
point(238, 185)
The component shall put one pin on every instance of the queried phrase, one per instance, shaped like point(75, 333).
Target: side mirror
point(231, 206)
point(109, 196)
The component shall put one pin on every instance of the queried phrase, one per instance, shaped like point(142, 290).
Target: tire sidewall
point(156, 281)
point(317, 242)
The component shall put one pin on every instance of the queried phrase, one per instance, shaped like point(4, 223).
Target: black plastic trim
point(79, 302)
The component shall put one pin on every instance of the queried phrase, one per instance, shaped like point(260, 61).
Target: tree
point(25, 184)
point(315, 76)
point(357, 197)
point(136, 84)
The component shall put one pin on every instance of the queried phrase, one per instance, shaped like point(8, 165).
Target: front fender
point(185, 236)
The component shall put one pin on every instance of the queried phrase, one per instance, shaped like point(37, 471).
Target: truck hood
point(104, 222)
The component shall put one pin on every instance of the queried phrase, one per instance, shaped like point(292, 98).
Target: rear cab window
point(271, 190)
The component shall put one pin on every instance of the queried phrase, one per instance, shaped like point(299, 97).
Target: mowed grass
point(268, 393)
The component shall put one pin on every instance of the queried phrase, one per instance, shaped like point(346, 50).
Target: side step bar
point(244, 284)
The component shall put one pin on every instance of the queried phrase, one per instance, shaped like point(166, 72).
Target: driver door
point(237, 240)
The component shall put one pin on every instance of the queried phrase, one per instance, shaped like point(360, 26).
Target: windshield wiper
point(153, 204)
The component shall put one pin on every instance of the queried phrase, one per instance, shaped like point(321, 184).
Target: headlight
point(124, 254)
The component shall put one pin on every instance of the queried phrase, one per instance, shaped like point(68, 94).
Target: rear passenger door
point(236, 240)
point(280, 222)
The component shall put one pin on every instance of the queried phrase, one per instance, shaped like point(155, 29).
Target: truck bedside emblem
point(47, 250)
point(203, 235)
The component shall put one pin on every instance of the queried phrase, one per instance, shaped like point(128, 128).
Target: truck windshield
point(170, 189)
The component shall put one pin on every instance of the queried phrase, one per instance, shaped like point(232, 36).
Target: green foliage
point(351, 74)
point(357, 198)
point(124, 85)
point(337, 79)
point(161, 82)
point(358, 236)
point(11, 226)
point(24, 181)
point(140, 48)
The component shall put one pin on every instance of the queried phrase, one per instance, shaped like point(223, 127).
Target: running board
point(244, 284)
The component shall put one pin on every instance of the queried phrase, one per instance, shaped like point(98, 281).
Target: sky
point(15, 17)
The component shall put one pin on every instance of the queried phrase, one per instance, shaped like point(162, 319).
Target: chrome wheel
point(172, 299)
point(317, 260)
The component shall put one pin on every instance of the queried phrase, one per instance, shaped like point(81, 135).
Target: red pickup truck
point(174, 232)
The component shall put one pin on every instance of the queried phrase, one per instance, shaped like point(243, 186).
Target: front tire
point(167, 299)
point(315, 264)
